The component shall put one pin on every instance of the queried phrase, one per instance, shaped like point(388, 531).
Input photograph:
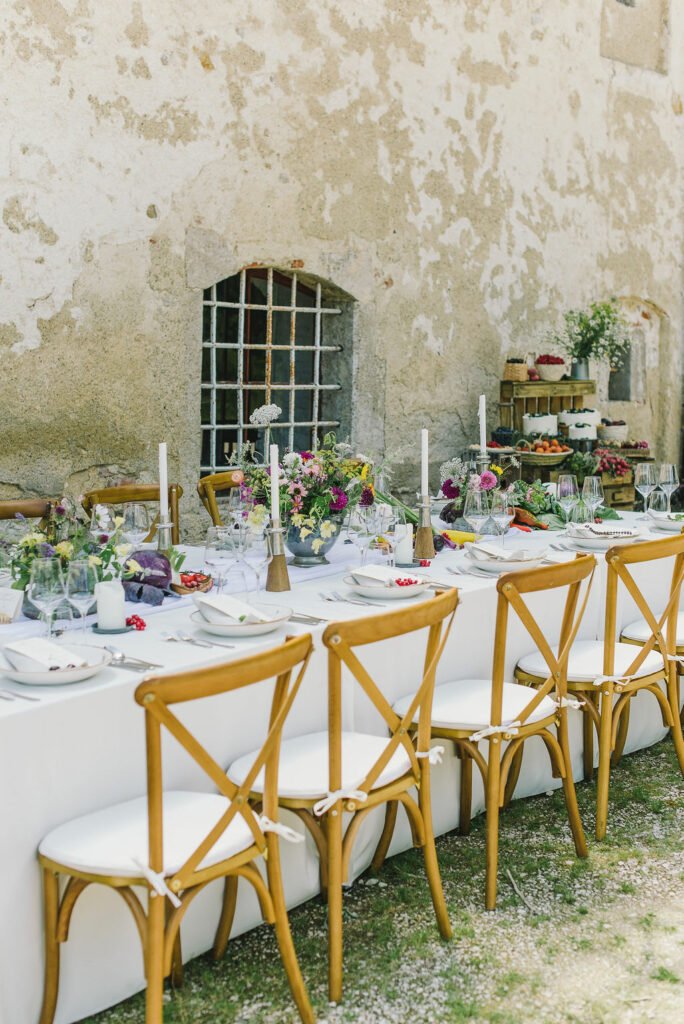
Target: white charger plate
point(665, 525)
point(496, 568)
point(98, 658)
point(279, 614)
point(603, 543)
point(382, 593)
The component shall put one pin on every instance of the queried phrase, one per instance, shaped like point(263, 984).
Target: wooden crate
point(618, 491)
point(517, 398)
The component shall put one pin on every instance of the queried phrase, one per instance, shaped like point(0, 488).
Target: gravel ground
point(599, 941)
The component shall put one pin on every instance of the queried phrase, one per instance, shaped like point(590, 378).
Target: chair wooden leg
point(492, 813)
point(226, 920)
point(50, 911)
point(513, 775)
point(677, 738)
point(430, 857)
point(603, 782)
point(284, 935)
point(621, 738)
point(381, 849)
point(177, 971)
point(154, 956)
point(588, 742)
point(569, 792)
point(334, 834)
point(466, 794)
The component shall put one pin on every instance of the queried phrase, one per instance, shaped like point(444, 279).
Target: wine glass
point(46, 589)
point(592, 493)
point(220, 553)
point(476, 510)
point(567, 493)
point(668, 481)
point(581, 513)
point(136, 523)
point(502, 512)
point(389, 517)
point(658, 504)
point(645, 481)
point(80, 588)
point(255, 551)
point(102, 524)
point(362, 529)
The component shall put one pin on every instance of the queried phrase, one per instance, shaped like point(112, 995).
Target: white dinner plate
point(661, 521)
point(603, 543)
point(382, 593)
point(98, 658)
point(498, 566)
point(279, 615)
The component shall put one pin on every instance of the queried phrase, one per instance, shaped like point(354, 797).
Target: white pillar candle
point(111, 599)
point(275, 488)
point(403, 554)
point(163, 484)
point(482, 413)
point(424, 487)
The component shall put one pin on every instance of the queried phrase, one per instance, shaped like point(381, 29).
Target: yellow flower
point(496, 469)
point(328, 529)
point(365, 470)
point(316, 545)
point(121, 550)
point(133, 566)
point(118, 521)
point(304, 531)
point(94, 561)
point(64, 549)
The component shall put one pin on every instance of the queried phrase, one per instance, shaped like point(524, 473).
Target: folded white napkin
point(218, 608)
point(380, 576)
point(606, 530)
point(485, 552)
point(35, 654)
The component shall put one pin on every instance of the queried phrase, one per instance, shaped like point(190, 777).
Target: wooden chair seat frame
point(159, 926)
point(606, 700)
point(126, 494)
point(209, 486)
point(333, 842)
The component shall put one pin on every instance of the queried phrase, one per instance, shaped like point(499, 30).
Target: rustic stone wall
point(466, 169)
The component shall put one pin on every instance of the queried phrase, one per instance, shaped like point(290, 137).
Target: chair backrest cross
point(209, 486)
point(125, 494)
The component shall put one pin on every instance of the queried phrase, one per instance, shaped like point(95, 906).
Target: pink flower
point(488, 480)
point(339, 499)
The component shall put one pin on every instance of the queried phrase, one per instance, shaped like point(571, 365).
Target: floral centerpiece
point(456, 479)
point(599, 332)
point(317, 489)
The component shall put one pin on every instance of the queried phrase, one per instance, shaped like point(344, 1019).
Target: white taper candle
point(275, 481)
point(482, 413)
point(424, 486)
point(163, 484)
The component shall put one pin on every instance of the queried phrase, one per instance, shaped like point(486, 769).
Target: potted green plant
point(599, 332)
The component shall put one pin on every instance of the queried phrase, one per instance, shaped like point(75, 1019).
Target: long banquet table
point(81, 747)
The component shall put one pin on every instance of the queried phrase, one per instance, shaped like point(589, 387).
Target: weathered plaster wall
point(465, 168)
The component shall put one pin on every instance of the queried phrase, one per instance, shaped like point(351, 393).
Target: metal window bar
point(243, 385)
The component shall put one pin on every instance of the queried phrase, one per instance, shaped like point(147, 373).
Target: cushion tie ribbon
point(277, 827)
point(434, 754)
point(329, 801)
point(157, 882)
point(493, 730)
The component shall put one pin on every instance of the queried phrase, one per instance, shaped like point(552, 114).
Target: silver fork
point(335, 599)
point(470, 572)
point(358, 600)
point(202, 643)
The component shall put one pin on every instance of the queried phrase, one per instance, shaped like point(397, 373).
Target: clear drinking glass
point(102, 524)
point(592, 493)
point(255, 551)
point(136, 523)
point(362, 529)
point(80, 588)
point(645, 481)
point(502, 512)
point(567, 493)
point(668, 481)
point(220, 554)
point(658, 502)
point(389, 517)
point(46, 589)
point(581, 513)
point(476, 510)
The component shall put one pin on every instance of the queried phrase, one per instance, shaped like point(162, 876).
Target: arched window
point(271, 337)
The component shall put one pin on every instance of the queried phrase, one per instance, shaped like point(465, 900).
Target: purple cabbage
point(156, 568)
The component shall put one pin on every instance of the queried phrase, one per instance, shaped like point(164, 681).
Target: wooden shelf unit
point(517, 398)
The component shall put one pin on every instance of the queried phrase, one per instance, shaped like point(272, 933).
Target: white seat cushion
point(466, 704)
point(641, 631)
point(586, 662)
point(108, 842)
point(303, 770)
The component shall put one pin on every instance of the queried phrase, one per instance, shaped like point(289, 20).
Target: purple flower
point(339, 500)
point(103, 538)
point(367, 497)
point(60, 510)
point(488, 480)
point(47, 551)
point(20, 515)
point(306, 456)
point(450, 490)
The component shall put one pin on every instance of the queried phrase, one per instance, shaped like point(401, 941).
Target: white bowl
point(498, 566)
point(551, 371)
point(662, 521)
point(280, 615)
point(382, 593)
point(98, 658)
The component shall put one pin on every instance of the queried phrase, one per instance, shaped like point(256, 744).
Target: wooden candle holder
point(425, 547)
point(277, 578)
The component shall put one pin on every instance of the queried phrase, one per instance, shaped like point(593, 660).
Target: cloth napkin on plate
point(380, 576)
point(601, 530)
point(35, 654)
point(487, 552)
point(221, 608)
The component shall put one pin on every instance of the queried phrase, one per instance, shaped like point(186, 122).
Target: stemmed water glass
point(581, 513)
point(567, 493)
point(592, 493)
point(220, 553)
point(476, 510)
point(658, 503)
point(136, 523)
point(80, 588)
point(645, 481)
point(46, 589)
point(255, 551)
point(389, 518)
point(362, 529)
point(668, 481)
point(102, 524)
point(502, 512)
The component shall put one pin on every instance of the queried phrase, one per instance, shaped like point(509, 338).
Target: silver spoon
point(202, 643)
point(120, 659)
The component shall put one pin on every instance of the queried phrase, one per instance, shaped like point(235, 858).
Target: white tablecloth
point(82, 747)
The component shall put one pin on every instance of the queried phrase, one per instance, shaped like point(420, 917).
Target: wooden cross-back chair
point(126, 494)
point(600, 671)
point(325, 774)
point(26, 508)
point(468, 711)
point(176, 843)
point(216, 483)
